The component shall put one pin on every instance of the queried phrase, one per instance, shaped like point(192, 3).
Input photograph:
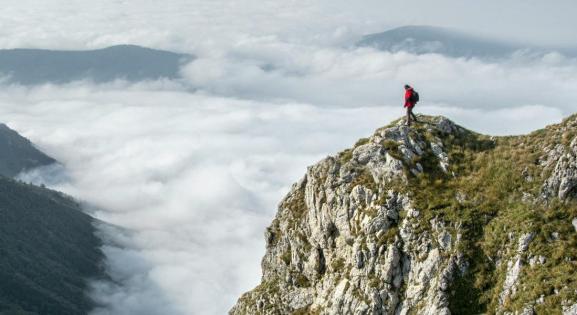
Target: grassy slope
point(491, 177)
point(481, 197)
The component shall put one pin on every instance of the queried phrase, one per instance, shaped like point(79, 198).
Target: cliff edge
point(435, 219)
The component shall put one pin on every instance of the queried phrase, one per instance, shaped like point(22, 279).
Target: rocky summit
point(433, 219)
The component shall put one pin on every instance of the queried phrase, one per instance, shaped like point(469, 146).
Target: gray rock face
point(514, 267)
point(351, 238)
point(562, 182)
point(570, 310)
point(339, 246)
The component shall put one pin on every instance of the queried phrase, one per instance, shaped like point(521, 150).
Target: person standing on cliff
point(411, 98)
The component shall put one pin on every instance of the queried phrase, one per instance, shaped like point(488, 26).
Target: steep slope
point(430, 220)
point(128, 62)
point(17, 153)
point(430, 39)
point(48, 247)
point(48, 250)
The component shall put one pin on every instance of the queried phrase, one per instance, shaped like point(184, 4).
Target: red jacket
point(408, 95)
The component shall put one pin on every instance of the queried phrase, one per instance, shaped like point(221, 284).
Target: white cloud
point(216, 25)
point(271, 70)
point(193, 178)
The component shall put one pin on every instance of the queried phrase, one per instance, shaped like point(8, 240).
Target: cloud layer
point(194, 179)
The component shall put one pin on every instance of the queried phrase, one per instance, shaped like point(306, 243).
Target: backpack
point(414, 97)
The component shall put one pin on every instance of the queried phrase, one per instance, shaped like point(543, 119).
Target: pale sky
point(191, 25)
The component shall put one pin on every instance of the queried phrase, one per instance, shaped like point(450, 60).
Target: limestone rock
point(570, 310)
point(562, 182)
point(360, 234)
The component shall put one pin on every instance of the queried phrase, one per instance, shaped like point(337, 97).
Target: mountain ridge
point(48, 246)
point(434, 219)
point(424, 39)
point(18, 154)
point(121, 62)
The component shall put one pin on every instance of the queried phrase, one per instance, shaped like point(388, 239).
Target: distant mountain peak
point(125, 62)
point(18, 154)
point(423, 39)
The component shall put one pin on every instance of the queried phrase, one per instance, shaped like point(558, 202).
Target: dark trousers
point(410, 115)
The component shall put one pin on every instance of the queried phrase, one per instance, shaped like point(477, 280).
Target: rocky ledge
point(435, 219)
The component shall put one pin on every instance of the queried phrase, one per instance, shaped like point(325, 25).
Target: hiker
point(411, 98)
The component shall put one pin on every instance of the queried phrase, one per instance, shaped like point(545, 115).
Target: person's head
point(407, 86)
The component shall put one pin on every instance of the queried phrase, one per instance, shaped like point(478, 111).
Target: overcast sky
point(193, 25)
point(526, 20)
point(190, 172)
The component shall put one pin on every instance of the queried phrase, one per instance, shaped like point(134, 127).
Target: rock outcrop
point(430, 220)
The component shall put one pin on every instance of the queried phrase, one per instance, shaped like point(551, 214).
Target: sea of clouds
point(185, 175)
